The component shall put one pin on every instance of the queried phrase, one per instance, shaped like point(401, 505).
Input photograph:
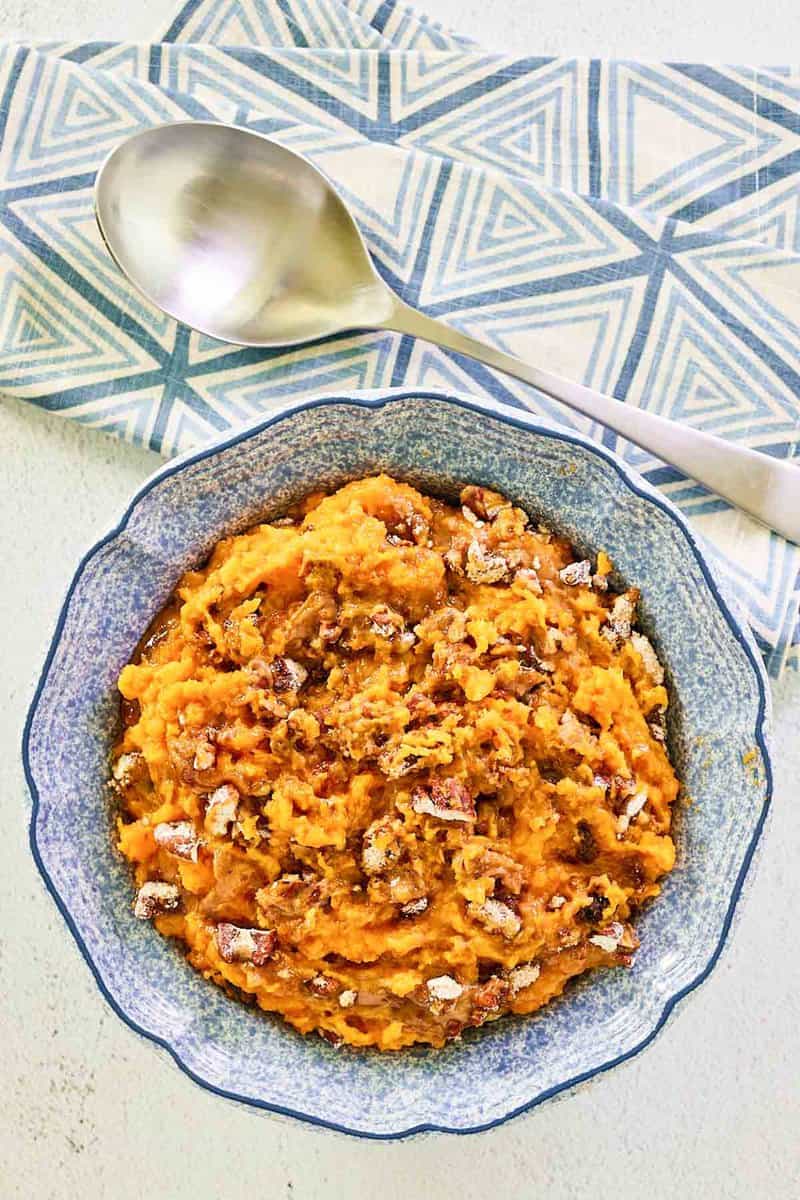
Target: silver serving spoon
point(250, 243)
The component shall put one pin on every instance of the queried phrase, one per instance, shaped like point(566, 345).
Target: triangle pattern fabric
point(46, 143)
point(66, 224)
point(390, 220)
point(429, 76)
point(348, 77)
point(691, 360)
point(230, 81)
point(262, 384)
point(526, 126)
point(47, 340)
point(551, 234)
point(776, 222)
point(583, 334)
point(671, 140)
point(757, 286)
point(129, 416)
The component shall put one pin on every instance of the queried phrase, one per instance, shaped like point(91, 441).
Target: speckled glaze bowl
point(717, 736)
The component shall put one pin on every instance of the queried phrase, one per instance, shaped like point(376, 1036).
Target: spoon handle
point(766, 488)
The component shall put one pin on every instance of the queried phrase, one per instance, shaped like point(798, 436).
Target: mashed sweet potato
point(395, 768)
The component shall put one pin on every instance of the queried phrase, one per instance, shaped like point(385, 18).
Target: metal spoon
point(250, 243)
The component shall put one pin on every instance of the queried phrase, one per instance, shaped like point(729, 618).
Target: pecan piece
point(446, 799)
point(484, 567)
point(523, 976)
point(323, 986)
point(205, 754)
point(443, 989)
point(491, 994)
point(657, 724)
point(178, 838)
point(631, 811)
point(497, 917)
point(380, 847)
point(617, 628)
point(530, 577)
point(236, 944)
point(127, 766)
point(221, 810)
point(576, 573)
point(155, 897)
point(644, 648)
point(287, 675)
point(484, 504)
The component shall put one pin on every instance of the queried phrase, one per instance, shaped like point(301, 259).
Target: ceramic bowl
point(717, 737)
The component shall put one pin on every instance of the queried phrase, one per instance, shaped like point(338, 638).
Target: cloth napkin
point(633, 226)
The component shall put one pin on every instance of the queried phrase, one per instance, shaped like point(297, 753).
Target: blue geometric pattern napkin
point(634, 227)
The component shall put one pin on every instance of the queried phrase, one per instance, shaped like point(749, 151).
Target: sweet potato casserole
point(393, 768)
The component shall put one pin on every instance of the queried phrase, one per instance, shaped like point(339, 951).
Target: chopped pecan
point(155, 897)
point(644, 648)
point(178, 838)
point(498, 865)
point(290, 897)
point(572, 731)
point(205, 754)
point(385, 622)
point(127, 766)
point(617, 628)
point(236, 944)
point(470, 516)
point(444, 989)
point(333, 1039)
point(609, 938)
point(445, 799)
point(497, 917)
point(484, 567)
point(380, 847)
point(287, 675)
point(657, 724)
point(406, 525)
point(632, 809)
point(576, 573)
point(523, 976)
point(530, 577)
point(323, 986)
point(221, 810)
point(369, 999)
point(491, 994)
point(483, 503)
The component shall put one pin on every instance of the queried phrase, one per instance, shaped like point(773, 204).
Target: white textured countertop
point(89, 1110)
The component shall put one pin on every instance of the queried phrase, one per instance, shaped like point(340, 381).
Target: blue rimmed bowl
point(717, 736)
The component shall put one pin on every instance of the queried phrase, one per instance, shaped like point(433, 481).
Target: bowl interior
point(716, 737)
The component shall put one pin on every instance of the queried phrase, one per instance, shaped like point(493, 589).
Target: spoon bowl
point(247, 241)
point(236, 236)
